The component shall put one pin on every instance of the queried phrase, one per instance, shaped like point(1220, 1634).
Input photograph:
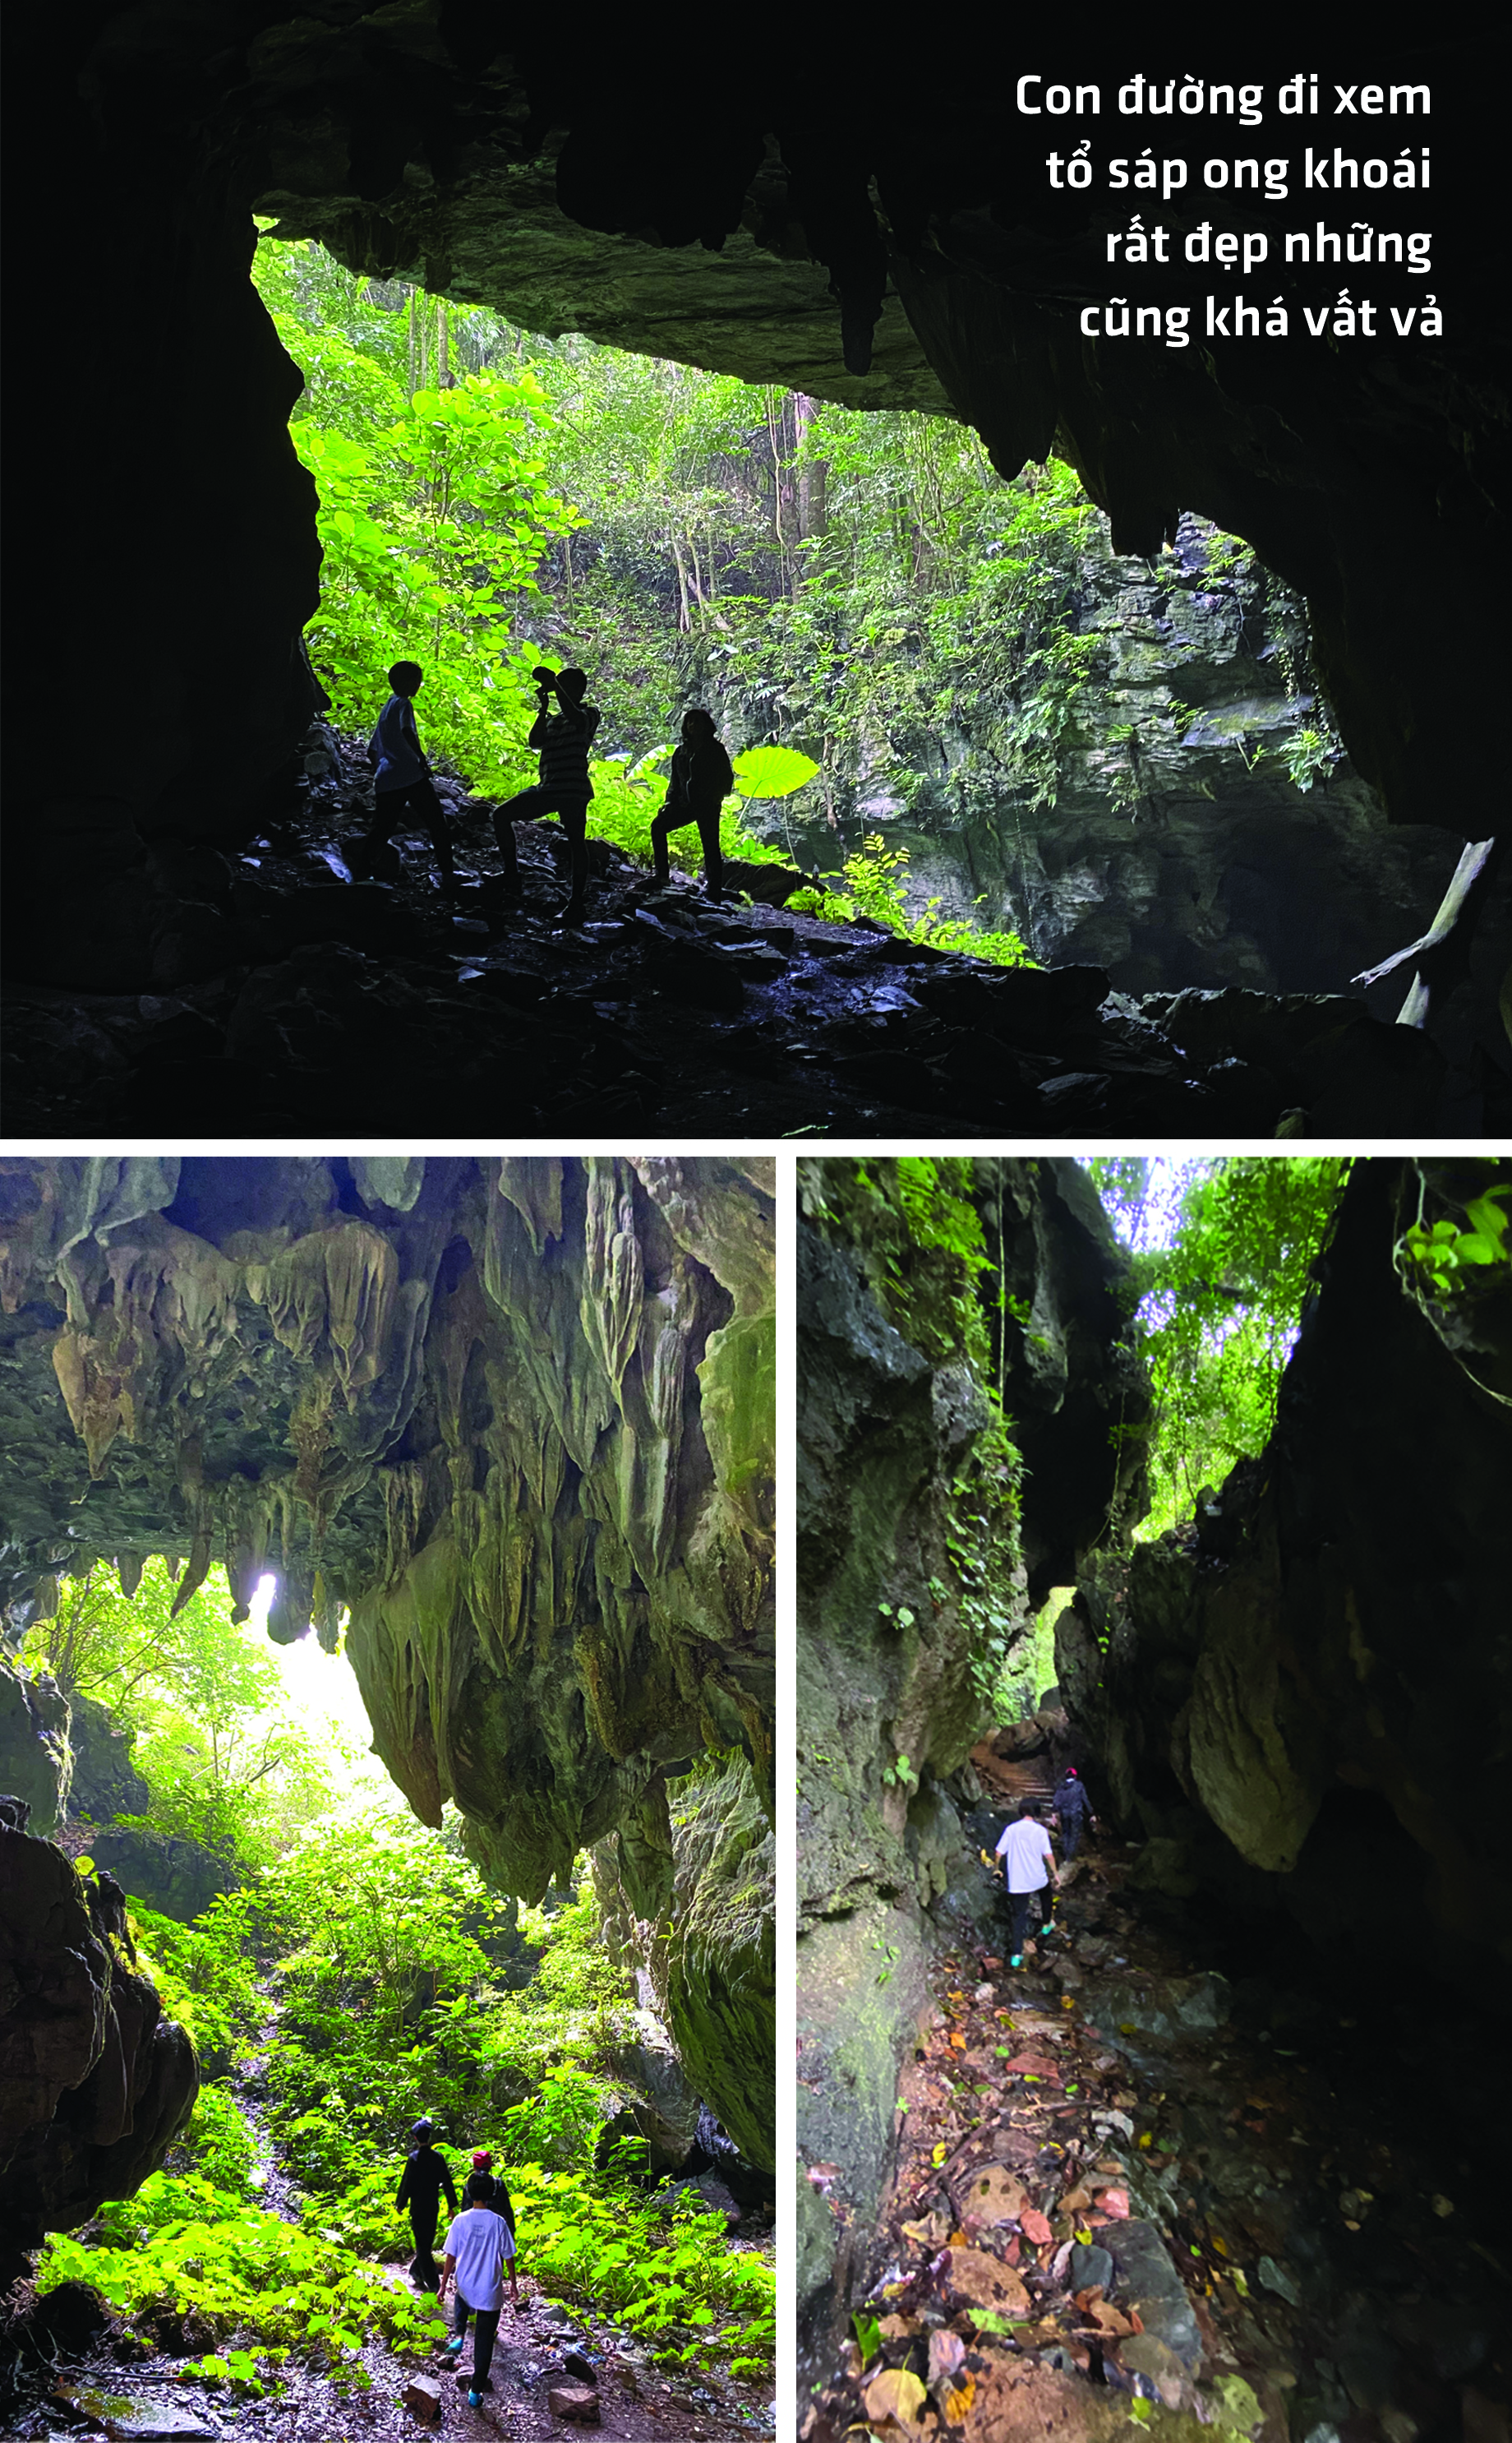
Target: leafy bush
point(874, 880)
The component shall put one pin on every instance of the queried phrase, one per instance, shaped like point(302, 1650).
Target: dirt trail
point(114, 2391)
point(1129, 2186)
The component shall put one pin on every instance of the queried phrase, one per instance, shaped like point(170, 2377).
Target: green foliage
point(227, 1762)
point(1223, 1253)
point(874, 877)
point(205, 1971)
point(1441, 1261)
point(773, 771)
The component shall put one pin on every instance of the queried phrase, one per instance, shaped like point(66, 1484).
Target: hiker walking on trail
point(1028, 1864)
point(700, 780)
point(425, 2176)
point(479, 2247)
point(500, 2200)
point(404, 784)
point(562, 739)
point(1073, 1810)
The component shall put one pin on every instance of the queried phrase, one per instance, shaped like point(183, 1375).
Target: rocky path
point(1121, 2195)
point(98, 2383)
point(285, 986)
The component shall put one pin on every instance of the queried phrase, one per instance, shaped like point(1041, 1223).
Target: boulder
point(94, 2083)
point(577, 2402)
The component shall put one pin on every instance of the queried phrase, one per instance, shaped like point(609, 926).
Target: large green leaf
point(773, 771)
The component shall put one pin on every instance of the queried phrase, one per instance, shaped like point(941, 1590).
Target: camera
point(543, 678)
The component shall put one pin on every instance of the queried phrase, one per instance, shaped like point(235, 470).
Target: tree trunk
point(442, 345)
point(414, 344)
point(812, 474)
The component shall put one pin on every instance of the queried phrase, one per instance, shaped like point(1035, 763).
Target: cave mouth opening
point(488, 1848)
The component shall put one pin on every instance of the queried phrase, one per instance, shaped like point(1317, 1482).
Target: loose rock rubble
point(312, 972)
point(1117, 2196)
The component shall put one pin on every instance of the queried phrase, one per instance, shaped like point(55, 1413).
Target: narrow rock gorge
point(1228, 2138)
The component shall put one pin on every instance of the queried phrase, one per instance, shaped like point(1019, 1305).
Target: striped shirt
point(564, 738)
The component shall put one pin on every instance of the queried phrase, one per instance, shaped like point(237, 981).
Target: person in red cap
point(1073, 1809)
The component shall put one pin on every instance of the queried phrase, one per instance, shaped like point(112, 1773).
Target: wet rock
point(576, 2403)
point(1146, 2354)
point(177, 1878)
point(422, 2398)
point(35, 1763)
point(95, 2085)
point(104, 1782)
point(1149, 2281)
point(1091, 2269)
point(1167, 2006)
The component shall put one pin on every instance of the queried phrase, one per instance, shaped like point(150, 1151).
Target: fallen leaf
point(947, 2354)
point(1115, 2202)
point(895, 2393)
point(1033, 2225)
point(958, 2044)
point(1107, 2320)
point(899, 2328)
point(955, 2405)
point(1443, 2206)
point(982, 2281)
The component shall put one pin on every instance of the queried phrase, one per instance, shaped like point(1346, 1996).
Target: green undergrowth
point(874, 880)
point(369, 1978)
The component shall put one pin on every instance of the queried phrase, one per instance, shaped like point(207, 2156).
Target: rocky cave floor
point(1247, 2202)
point(106, 2386)
point(290, 990)
point(70, 2368)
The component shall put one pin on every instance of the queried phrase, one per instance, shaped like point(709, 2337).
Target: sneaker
point(1017, 1960)
point(454, 2348)
point(475, 2401)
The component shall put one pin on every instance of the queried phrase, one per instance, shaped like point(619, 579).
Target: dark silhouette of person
point(1073, 1810)
point(404, 783)
point(562, 738)
point(700, 780)
point(425, 2176)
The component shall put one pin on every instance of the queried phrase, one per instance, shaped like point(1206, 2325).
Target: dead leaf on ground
point(1033, 2225)
point(895, 2393)
point(978, 2279)
point(990, 2195)
point(1115, 2203)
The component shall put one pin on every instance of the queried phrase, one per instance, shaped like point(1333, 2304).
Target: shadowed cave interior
point(873, 232)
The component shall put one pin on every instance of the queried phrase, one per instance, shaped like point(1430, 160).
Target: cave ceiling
point(515, 1416)
point(872, 222)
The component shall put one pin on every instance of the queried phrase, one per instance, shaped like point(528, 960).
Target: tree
point(1223, 1257)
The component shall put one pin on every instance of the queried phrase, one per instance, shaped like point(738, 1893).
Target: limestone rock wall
point(94, 2083)
point(1178, 853)
point(884, 1868)
point(35, 1761)
point(1304, 1701)
point(517, 1415)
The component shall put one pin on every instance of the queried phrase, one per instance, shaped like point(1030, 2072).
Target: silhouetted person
point(698, 784)
point(1073, 1810)
point(562, 739)
point(1029, 1866)
point(425, 2176)
point(404, 783)
point(480, 2245)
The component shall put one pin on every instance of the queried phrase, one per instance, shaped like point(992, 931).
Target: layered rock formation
point(94, 2083)
point(1302, 1703)
point(516, 1416)
point(898, 1603)
point(881, 227)
point(1178, 851)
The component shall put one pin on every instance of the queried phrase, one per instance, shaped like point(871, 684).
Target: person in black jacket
point(700, 780)
point(425, 2176)
point(1073, 1809)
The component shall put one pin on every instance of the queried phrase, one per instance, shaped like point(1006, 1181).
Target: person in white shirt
point(1028, 1862)
point(480, 2249)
